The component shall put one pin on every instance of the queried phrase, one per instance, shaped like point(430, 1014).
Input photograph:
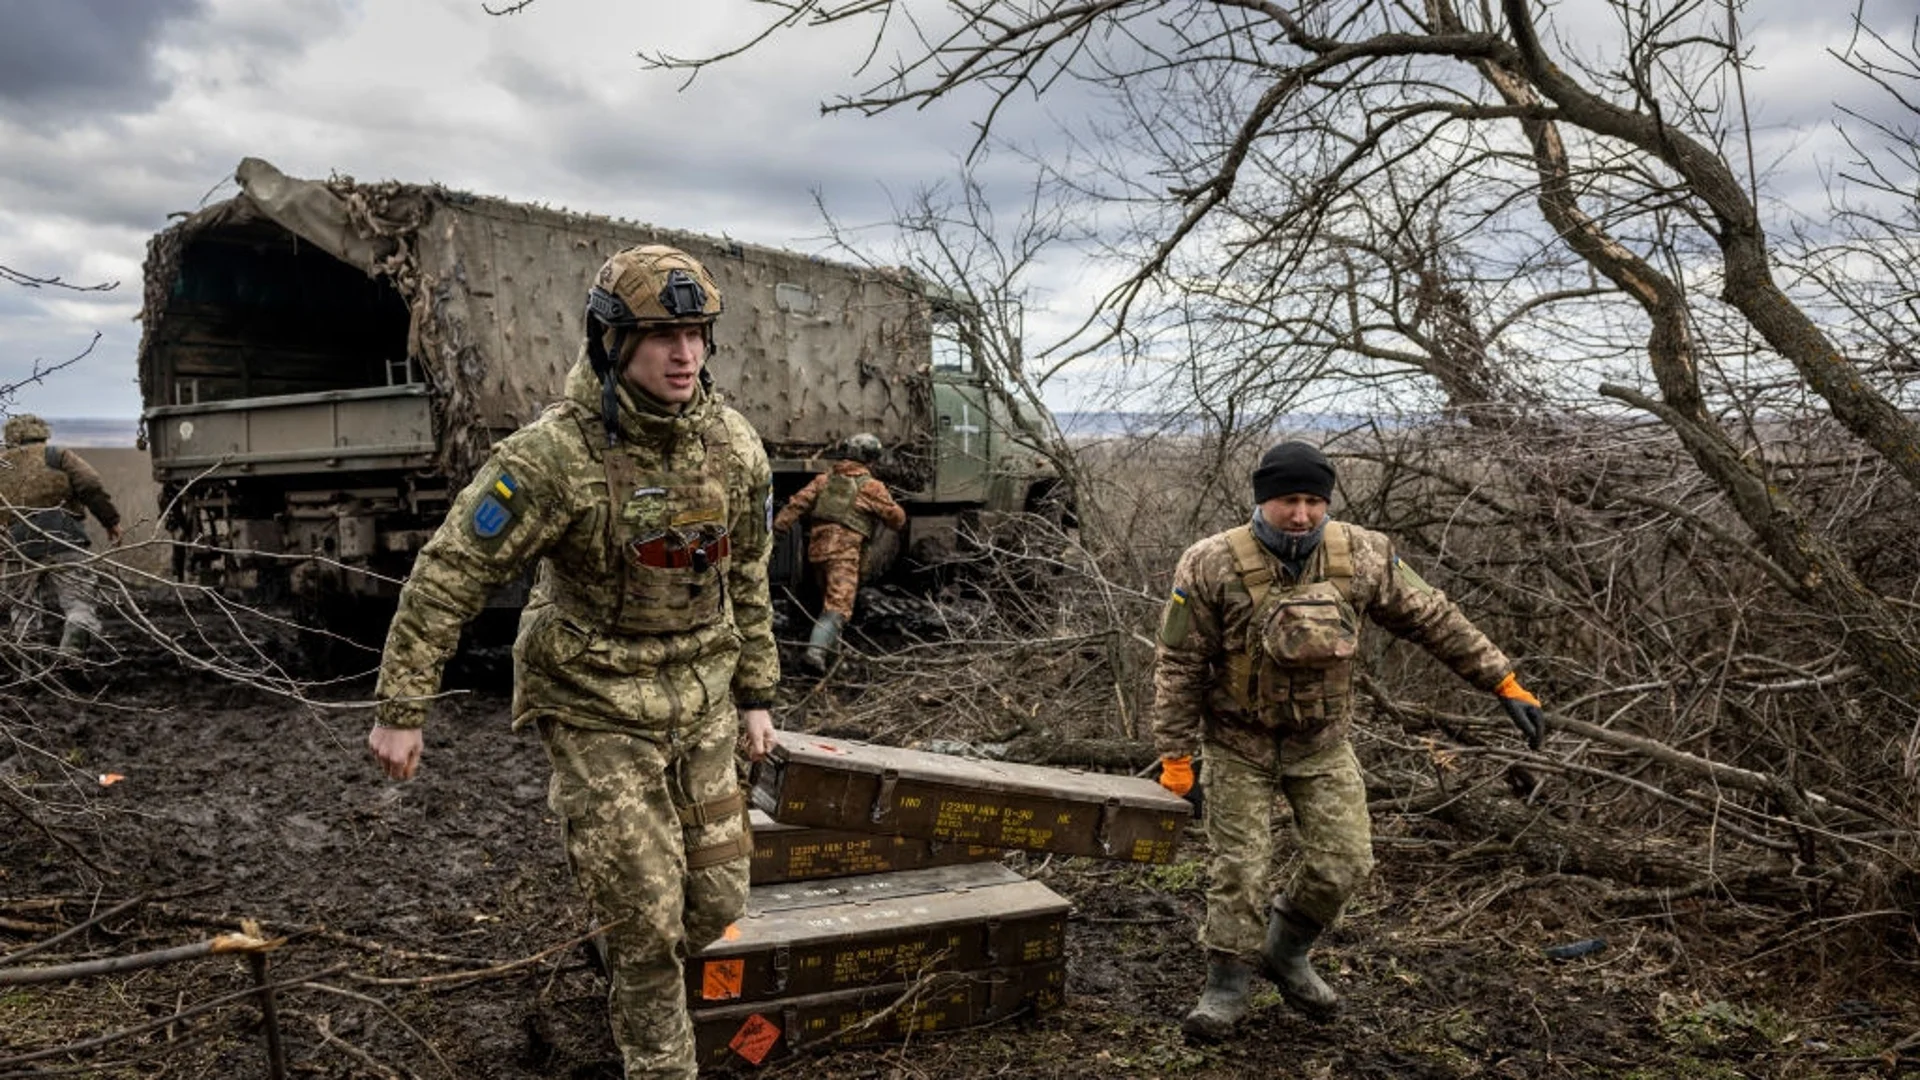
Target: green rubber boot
point(1223, 1004)
point(825, 640)
point(1290, 935)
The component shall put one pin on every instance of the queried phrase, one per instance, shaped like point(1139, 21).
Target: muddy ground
point(240, 805)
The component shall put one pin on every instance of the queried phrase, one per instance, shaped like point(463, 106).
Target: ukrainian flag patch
point(1174, 619)
point(496, 510)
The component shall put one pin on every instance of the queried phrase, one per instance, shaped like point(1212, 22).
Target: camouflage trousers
point(640, 814)
point(54, 584)
point(1329, 802)
point(839, 583)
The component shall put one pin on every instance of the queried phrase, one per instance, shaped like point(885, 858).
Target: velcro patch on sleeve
point(498, 508)
point(1408, 578)
point(1175, 619)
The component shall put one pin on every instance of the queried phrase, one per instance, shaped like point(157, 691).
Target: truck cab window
point(952, 349)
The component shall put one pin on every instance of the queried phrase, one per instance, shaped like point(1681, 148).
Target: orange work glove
point(1523, 709)
point(1176, 774)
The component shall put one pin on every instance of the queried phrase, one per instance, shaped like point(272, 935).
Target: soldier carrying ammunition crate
point(1259, 642)
point(646, 651)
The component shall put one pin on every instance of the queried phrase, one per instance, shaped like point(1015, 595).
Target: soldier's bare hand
point(757, 735)
point(397, 750)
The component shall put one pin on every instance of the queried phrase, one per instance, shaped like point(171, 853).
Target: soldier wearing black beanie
point(1258, 659)
point(1292, 468)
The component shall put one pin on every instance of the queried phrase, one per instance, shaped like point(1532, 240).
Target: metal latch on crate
point(1103, 832)
point(782, 966)
point(883, 799)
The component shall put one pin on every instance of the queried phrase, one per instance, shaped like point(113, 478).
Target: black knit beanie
point(1292, 468)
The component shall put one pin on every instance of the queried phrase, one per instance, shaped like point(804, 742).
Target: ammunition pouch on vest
point(666, 539)
point(1295, 670)
point(680, 551)
point(41, 484)
point(838, 504)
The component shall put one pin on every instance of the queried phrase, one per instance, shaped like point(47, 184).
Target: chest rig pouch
point(667, 538)
point(836, 504)
point(1295, 669)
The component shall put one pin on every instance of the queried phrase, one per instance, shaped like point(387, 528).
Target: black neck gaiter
point(1293, 550)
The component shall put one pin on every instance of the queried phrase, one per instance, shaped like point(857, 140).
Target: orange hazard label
point(755, 1038)
point(721, 979)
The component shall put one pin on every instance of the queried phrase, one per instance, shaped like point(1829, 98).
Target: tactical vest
point(1294, 671)
point(37, 490)
point(666, 537)
point(836, 503)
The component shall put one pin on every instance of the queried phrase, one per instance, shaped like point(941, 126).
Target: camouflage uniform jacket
point(552, 479)
point(827, 541)
point(1209, 618)
point(36, 476)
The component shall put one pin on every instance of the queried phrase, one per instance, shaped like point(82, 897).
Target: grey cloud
point(102, 187)
point(17, 301)
point(285, 27)
point(533, 83)
point(64, 55)
point(750, 169)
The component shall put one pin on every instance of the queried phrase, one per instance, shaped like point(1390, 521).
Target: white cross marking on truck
point(966, 428)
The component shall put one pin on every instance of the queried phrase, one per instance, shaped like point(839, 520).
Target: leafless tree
point(1449, 218)
point(982, 265)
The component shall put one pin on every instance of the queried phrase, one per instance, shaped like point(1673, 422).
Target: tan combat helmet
point(652, 284)
point(26, 428)
point(641, 288)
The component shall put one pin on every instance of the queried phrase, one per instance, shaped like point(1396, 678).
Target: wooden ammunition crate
point(813, 937)
point(799, 853)
point(737, 1035)
point(843, 784)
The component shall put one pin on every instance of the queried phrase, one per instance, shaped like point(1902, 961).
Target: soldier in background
point(646, 650)
point(1254, 673)
point(844, 507)
point(48, 491)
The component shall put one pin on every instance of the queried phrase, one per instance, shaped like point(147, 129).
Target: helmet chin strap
point(603, 363)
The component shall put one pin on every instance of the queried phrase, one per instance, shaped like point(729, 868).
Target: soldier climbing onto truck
point(844, 507)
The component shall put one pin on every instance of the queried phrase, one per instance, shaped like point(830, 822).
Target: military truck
point(325, 363)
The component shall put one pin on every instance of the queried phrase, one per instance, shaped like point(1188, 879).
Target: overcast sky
point(116, 113)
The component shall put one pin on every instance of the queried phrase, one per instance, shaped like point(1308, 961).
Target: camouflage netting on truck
point(810, 351)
